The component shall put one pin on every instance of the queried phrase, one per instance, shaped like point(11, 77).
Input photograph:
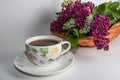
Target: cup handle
point(67, 49)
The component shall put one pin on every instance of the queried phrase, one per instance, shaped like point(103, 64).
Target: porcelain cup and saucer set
point(45, 59)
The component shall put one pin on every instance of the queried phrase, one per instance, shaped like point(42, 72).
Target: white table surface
point(21, 19)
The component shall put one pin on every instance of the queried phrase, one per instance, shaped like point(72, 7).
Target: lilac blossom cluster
point(78, 11)
point(81, 12)
point(81, 19)
point(99, 28)
point(62, 18)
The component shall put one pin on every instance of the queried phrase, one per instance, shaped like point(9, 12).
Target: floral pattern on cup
point(48, 54)
point(44, 50)
point(51, 60)
point(42, 62)
point(33, 50)
point(43, 55)
point(54, 52)
point(31, 56)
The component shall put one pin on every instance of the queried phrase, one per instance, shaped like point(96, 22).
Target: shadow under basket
point(88, 41)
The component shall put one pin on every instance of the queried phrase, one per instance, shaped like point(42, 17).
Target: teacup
point(45, 49)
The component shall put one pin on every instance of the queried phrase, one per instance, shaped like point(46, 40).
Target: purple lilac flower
point(64, 16)
point(99, 28)
point(90, 5)
point(79, 11)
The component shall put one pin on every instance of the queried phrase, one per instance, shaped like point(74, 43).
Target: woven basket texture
point(89, 41)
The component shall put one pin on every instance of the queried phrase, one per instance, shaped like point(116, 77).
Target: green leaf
point(33, 50)
point(73, 41)
point(114, 5)
point(113, 21)
point(76, 32)
point(57, 13)
point(45, 58)
point(101, 8)
point(94, 11)
point(113, 9)
point(51, 60)
point(82, 35)
point(107, 7)
point(63, 4)
point(66, 2)
point(115, 13)
point(69, 31)
point(109, 15)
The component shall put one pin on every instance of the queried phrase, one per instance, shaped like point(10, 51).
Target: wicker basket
point(88, 41)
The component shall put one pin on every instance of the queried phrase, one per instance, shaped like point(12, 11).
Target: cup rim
point(27, 41)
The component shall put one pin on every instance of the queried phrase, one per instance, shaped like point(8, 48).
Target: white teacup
point(43, 55)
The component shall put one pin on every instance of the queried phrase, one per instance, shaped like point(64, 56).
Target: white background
point(21, 19)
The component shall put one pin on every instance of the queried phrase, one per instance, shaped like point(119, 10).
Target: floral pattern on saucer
point(22, 63)
point(20, 60)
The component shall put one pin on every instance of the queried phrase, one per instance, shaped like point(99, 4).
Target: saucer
point(22, 63)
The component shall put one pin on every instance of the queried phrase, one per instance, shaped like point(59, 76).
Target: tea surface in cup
point(43, 42)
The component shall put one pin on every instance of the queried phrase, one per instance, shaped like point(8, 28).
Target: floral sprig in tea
point(77, 20)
